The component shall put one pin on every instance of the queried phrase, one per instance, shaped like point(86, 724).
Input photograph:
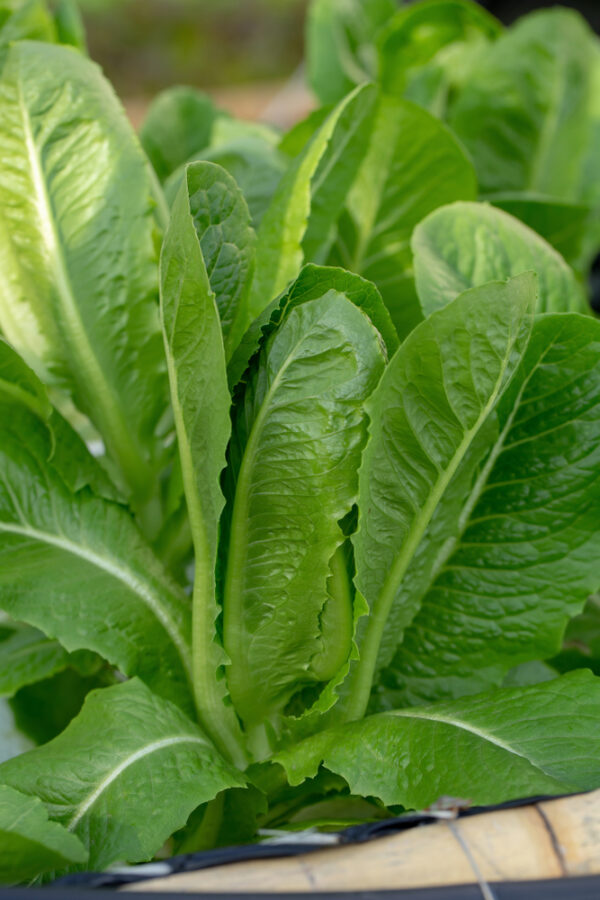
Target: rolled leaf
point(300, 429)
point(497, 746)
point(467, 244)
point(29, 843)
point(141, 768)
point(79, 276)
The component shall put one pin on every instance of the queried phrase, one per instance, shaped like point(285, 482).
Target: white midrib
point(108, 779)
point(425, 715)
point(77, 338)
point(125, 576)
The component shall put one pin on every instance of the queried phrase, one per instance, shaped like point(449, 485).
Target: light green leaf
point(494, 747)
point(425, 47)
point(27, 655)
point(521, 557)
point(414, 164)
point(201, 401)
point(29, 843)
point(300, 429)
point(179, 123)
point(12, 739)
point(429, 428)
point(468, 244)
point(76, 567)
point(299, 224)
point(227, 240)
point(523, 115)
point(124, 775)
point(340, 44)
point(78, 270)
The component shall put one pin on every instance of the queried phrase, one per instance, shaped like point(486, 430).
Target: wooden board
point(548, 840)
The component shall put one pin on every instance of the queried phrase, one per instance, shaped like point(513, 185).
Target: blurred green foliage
point(146, 45)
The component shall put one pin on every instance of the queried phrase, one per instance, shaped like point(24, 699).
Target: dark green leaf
point(124, 775)
point(505, 744)
point(414, 165)
point(29, 843)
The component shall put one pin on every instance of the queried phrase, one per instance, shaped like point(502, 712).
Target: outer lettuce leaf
point(429, 428)
point(78, 268)
point(468, 244)
point(522, 557)
point(28, 20)
point(299, 224)
point(75, 566)
point(426, 47)
point(124, 775)
point(201, 401)
point(414, 164)
point(300, 429)
point(494, 747)
point(341, 44)
point(29, 843)
point(524, 113)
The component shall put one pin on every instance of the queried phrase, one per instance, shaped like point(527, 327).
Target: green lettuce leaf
point(299, 224)
point(521, 558)
point(124, 775)
point(201, 401)
point(227, 241)
point(29, 843)
point(429, 427)
point(179, 122)
point(75, 566)
point(524, 113)
point(414, 164)
point(468, 244)
point(341, 44)
point(497, 746)
point(26, 656)
point(561, 223)
point(427, 47)
point(299, 431)
point(79, 276)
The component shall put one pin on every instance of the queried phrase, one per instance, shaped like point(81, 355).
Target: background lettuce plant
point(345, 413)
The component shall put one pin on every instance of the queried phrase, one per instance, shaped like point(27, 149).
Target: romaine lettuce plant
point(299, 475)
